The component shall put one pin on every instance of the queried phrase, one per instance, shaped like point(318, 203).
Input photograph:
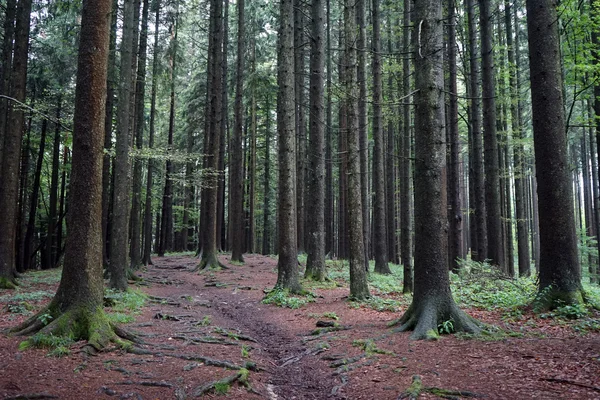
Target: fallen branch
point(568, 382)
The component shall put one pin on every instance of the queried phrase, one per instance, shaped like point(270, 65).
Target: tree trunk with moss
point(77, 309)
point(560, 274)
point(432, 302)
point(287, 266)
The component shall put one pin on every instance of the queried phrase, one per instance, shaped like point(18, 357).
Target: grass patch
point(382, 303)
point(58, 345)
point(386, 284)
point(124, 305)
point(369, 347)
point(328, 315)
point(283, 298)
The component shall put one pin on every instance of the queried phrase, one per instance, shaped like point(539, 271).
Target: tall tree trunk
point(362, 125)
point(287, 266)
point(108, 128)
point(76, 310)
point(266, 244)
point(406, 219)
point(560, 276)
point(517, 129)
point(9, 179)
point(28, 242)
point(454, 201)
point(6, 67)
point(221, 227)
point(119, 261)
point(432, 301)
point(50, 248)
point(329, 207)
point(315, 219)
point(140, 91)
point(475, 120)
point(209, 249)
point(166, 219)
point(237, 169)
point(300, 120)
point(379, 210)
point(359, 289)
point(146, 257)
point(492, 176)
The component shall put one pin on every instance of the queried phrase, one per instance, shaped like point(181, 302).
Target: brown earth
point(219, 315)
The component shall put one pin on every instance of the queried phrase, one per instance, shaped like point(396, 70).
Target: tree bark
point(432, 302)
point(559, 270)
point(315, 219)
point(9, 180)
point(379, 210)
point(140, 91)
point(475, 120)
point(492, 176)
point(119, 261)
point(454, 207)
point(406, 217)
point(287, 266)
point(76, 309)
point(359, 289)
point(237, 169)
point(146, 257)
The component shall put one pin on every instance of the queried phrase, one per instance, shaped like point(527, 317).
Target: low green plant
point(387, 284)
point(369, 347)
point(446, 327)
point(381, 303)
point(26, 296)
point(328, 314)
point(246, 351)
point(58, 345)
point(283, 298)
point(221, 388)
point(205, 321)
point(124, 305)
point(484, 286)
point(120, 318)
point(45, 318)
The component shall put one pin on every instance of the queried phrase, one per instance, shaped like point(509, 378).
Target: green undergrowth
point(378, 303)
point(23, 302)
point(124, 306)
point(283, 298)
point(479, 285)
point(58, 345)
point(370, 347)
point(327, 315)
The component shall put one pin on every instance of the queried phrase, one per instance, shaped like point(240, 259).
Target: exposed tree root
point(205, 339)
point(6, 283)
point(205, 360)
point(568, 382)
point(32, 396)
point(241, 377)
point(416, 389)
point(424, 318)
point(77, 323)
point(147, 383)
point(209, 261)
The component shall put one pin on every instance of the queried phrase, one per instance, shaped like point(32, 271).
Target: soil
point(219, 315)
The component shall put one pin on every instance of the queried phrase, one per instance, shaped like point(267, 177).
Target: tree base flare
point(431, 316)
point(6, 283)
point(550, 298)
point(209, 261)
point(78, 323)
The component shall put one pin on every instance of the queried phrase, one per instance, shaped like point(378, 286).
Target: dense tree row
point(406, 130)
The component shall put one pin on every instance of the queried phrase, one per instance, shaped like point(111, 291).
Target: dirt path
point(199, 324)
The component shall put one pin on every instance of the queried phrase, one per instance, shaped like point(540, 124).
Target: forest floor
point(193, 320)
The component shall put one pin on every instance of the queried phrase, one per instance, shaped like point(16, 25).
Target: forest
point(417, 180)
